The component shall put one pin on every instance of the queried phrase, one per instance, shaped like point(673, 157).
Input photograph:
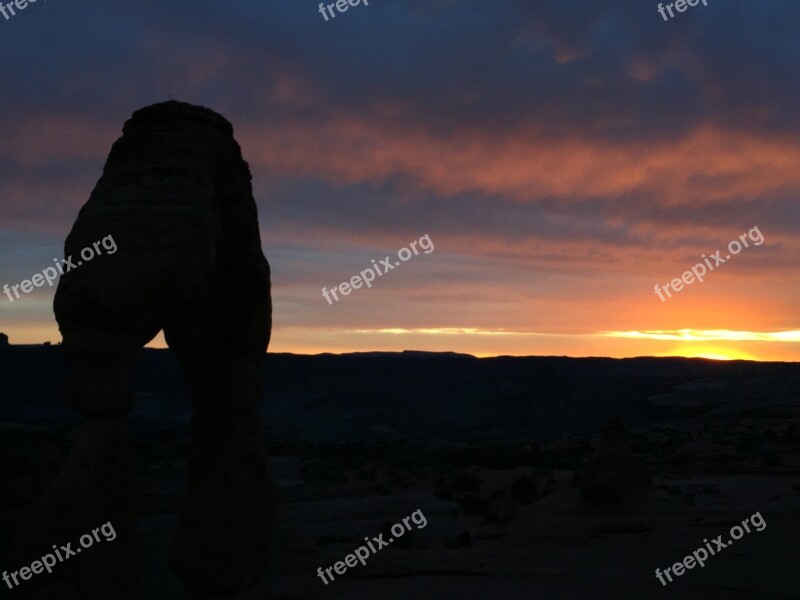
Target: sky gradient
point(563, 157)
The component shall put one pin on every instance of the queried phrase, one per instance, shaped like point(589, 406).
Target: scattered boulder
point(702, 456)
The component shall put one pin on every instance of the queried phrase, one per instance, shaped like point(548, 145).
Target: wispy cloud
point(442, 331)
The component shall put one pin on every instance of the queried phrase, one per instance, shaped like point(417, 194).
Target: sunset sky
point(564, 157)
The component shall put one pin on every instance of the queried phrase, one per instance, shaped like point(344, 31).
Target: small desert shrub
point(472, 504)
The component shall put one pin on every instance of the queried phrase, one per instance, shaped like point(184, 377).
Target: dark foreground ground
point(495, 453)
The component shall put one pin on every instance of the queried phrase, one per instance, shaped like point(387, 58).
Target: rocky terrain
point(539, 477)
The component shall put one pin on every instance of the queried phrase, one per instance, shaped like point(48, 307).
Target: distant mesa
point(3, 340)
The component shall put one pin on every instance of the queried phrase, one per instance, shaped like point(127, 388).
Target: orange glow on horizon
point(782, 346)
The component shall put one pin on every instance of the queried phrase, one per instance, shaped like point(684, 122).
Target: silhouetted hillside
point(434, 398)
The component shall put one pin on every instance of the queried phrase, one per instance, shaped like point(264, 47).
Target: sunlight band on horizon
point(717, 344)
point(707, 335)
point(681, 335)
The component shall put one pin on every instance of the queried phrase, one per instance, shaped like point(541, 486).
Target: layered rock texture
point(176, 198)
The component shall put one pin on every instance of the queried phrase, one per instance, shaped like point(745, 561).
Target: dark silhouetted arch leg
point(224, 525)
point(95, 487)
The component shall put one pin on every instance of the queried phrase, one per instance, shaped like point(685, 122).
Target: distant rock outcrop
point(613, 470)
point(3, 340)
point(176, 198)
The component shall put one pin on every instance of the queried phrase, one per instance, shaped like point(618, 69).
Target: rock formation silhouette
point(176, 197)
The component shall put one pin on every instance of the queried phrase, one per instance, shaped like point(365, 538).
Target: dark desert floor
point(505, 515)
